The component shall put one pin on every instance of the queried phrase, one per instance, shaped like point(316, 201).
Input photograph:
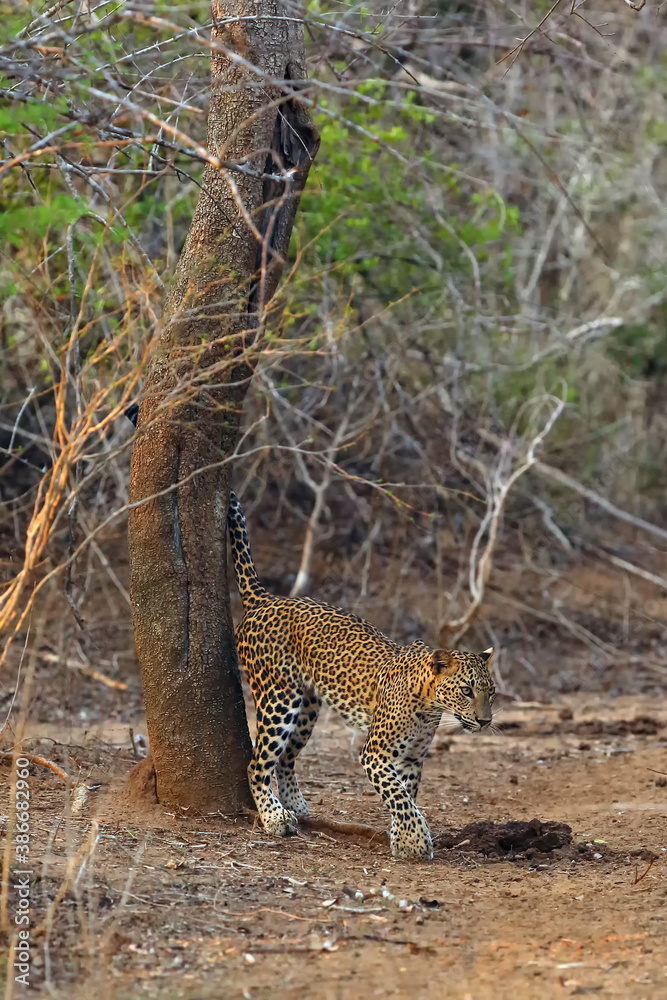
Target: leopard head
point(461, 686)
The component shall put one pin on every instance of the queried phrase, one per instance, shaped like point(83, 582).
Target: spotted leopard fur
point(297, 652)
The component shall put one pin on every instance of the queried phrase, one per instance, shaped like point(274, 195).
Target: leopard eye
point(492, 697)
point(467, 691)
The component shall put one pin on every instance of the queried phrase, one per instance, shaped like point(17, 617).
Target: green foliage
point(35, 221)
point(14, 116)
point(398, 220)
point(381, 207)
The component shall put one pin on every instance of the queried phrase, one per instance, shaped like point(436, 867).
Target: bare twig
point(320, 490)
point(558, 476)
point(500, 481)
point(638, 878)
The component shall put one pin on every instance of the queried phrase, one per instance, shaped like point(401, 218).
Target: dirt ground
point(129, 904)
point(154, 906)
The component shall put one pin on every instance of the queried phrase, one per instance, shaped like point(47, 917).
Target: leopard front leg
point(409, 771)
point(410, 836)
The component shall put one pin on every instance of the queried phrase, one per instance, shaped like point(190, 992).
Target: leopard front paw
point(411, 839)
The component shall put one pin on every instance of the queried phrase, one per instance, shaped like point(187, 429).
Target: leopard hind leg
point(289, 792)
point(277, 716)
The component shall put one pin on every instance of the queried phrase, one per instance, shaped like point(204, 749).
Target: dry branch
point(83, 669)
point(499, 482)
point(623, 564)
point(321, 823)
point(42, 761)
point(558, 476)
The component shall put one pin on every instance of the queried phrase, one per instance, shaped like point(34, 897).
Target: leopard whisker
point(450, 723)
point(448, 716)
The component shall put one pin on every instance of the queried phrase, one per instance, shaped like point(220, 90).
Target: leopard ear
point(486, 655)
point(441, 661)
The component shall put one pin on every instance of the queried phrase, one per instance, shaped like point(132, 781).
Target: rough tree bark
point(190, 409)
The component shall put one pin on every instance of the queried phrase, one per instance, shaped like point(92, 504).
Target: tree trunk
point(190, 409)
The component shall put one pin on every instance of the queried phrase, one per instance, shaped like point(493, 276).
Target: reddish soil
point(167, 907)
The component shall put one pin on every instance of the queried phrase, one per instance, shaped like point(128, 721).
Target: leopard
point(298, 653)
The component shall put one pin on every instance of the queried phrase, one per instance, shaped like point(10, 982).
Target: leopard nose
point(483, 722)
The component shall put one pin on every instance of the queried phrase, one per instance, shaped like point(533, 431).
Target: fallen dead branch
point(83, 669)
point(41, 761)
point(279, 913)
point(333, 943)
point(558, 476)
point(579, 632)
point(346, 829)
point(320, 823)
